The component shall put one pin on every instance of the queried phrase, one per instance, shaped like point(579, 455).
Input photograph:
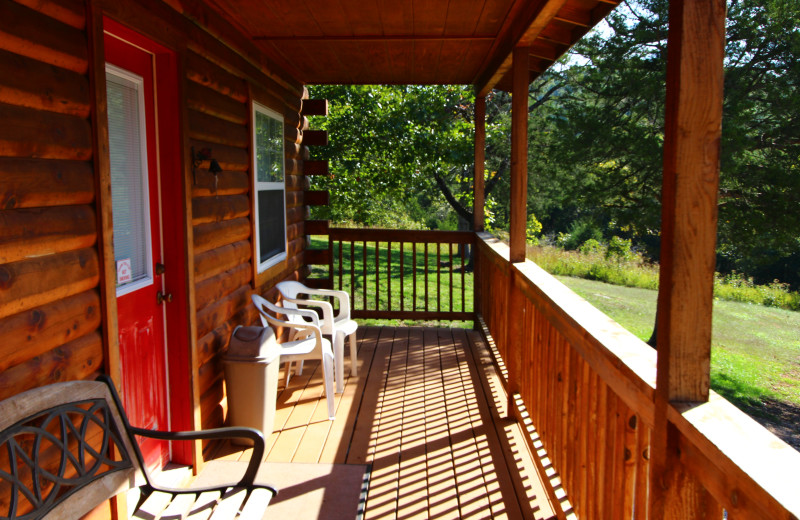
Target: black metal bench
point(68, 447)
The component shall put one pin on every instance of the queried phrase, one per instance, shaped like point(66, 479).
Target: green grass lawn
point(755, 356)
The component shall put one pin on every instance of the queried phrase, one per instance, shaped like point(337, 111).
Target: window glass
point(129, 187)
point(269, 186)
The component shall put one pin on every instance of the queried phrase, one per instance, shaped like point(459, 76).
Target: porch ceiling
point(412, 41)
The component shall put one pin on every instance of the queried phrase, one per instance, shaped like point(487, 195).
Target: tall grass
point(632, 270)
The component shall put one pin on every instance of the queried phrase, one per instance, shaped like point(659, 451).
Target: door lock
point(161, 297)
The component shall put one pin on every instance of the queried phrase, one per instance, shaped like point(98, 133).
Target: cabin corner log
point(315, 107)
point(27, 183)
point(315, 137)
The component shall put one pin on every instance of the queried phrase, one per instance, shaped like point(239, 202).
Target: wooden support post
point(519, 154)
point(693, 116)
point(519, 215)
point(480, 157)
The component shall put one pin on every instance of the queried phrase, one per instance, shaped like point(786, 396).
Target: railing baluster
point(341, 265)
point(426, 276)
point(352, 274)
point(402, 276)
point(377, 274)
point(450, 251)
point(364, 268)
point(414, 262)
point(389, 275)
point(462, 249)
point(438, 277)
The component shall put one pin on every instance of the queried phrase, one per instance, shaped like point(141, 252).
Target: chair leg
point(338, 356)
point(353, 355)
point(300, 368)
point(327, 375)
point(288, 367)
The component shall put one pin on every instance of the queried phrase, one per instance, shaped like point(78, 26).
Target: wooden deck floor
point(427, 412)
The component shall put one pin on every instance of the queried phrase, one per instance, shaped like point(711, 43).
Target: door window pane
point(129, 187)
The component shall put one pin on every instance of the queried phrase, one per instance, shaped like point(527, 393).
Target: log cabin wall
point(51, 305)
point(50, 315)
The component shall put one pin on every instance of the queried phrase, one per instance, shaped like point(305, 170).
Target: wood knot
point(36, 319)
point(5, 278)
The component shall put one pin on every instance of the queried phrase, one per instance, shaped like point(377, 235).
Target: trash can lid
point(253, 344)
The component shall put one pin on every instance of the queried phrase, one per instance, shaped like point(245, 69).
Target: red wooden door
point(138, 240)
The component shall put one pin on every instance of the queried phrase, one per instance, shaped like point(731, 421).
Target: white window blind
point(129, 186)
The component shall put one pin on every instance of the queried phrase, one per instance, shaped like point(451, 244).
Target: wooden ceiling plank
point(574, 15)
point(426, 55)
point(364, 16)
point(400, 55)
point(452, 60)
point(430, 16)
point(525, 29)
point(397, 16)
point(330, 18)
point(546, 50)
point(462, 17)
point(492, 16)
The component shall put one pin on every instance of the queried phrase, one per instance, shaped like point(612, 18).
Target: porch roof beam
point(521, 32)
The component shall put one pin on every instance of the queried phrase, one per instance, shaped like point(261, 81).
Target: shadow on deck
point(427, 414)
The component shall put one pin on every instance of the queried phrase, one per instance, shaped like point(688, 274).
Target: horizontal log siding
point(50, 316)
point(217, 98)
point(49, 263)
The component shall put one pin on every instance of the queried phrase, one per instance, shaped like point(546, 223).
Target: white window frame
point(267, 186)
point(129, 287)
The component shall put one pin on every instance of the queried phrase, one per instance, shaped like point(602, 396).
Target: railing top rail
point(402, 235)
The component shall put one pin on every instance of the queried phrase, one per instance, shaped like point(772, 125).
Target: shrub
point(532, 230)
point(620, 248)
point(592, 246)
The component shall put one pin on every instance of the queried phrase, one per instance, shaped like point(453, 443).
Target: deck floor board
point(427, 413)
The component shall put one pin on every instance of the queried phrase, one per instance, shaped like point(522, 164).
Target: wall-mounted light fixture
point(204, 154)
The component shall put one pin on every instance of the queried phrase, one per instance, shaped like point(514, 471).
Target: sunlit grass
point(755, 349)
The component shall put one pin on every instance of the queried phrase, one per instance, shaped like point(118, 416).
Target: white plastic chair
point(307, 341)
point(338, 327)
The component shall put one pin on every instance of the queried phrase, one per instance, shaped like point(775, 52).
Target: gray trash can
point(251, 378)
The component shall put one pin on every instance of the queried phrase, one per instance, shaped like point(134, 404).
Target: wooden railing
point(398, 274)
point(587, 387)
